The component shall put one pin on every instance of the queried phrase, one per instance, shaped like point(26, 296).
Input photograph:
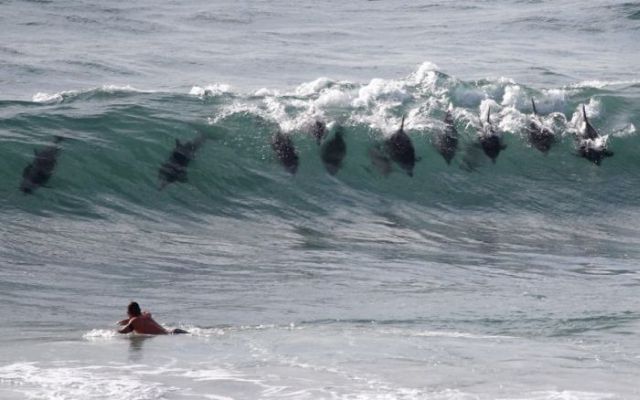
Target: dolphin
point(175, 168)
point(400, 149)
point(491, 141)
point(333, 152)
point(41, 168)
point(539, 136)
point(589, 131)
point(379, 160)
point(319, 131)
point(282, 145)
point(590, 145)
point(446, 142)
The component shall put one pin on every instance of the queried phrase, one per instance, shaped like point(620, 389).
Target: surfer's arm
point(124, 321)
point(127, 329)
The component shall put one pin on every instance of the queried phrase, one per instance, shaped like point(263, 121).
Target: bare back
point(146, 325)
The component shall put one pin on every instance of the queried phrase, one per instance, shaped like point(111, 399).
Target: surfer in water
point(142, 323)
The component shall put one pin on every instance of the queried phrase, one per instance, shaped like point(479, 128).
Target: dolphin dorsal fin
point(178, 144)
point(584, 114)
point(402, 123)
point(489, 115)
point(533, 103)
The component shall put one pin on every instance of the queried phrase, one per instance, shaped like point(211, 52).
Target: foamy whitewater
point(513, 280)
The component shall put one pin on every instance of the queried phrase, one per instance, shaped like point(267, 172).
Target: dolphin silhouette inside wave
point(400, 149)
point(446, 142)
point(591, 145)
point(283, 146)
point(175, 168)
point(490, 140)
point(333, 151)
point(541, 137)
point(41, 168)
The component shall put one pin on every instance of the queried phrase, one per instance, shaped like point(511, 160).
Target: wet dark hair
point(134, 309)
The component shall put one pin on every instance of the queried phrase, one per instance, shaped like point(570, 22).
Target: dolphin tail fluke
point(533, 103)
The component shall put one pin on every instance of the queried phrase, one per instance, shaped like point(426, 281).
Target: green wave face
point(117, 139)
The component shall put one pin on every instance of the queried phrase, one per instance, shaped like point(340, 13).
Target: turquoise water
point(476, 280)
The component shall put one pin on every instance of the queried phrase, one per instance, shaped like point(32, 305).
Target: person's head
point(134, 309)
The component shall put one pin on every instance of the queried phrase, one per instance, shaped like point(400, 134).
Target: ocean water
point(514, 280)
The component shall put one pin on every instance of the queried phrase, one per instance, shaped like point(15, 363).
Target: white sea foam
point(406, 394)
point(377, 99)
point(468, 96)
point(426, 73)
point(513, 96)
point(561, 395)
point(380, 104)
point(511, 120)
point(598, 143)
point(204, 332)
point(108, 334)
point(503, 80)
point(122, 89)
point(552, 100)
point(216, 397)
point(62, 382)
point(263, 92)
point(313, 87)
point(42, 97)
point(217, 89)
point(489, 107)
point(381, 89)
point(596, 84)
point(100, 334)
point(203, 375)
point(426, 78)
point(459, 335)
point(276, 111)
point(380, 119)
point(334, 97)
point(577, 123)
point(59, 97)
point(443, 334)
point(628, 130)
point(236, 108)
